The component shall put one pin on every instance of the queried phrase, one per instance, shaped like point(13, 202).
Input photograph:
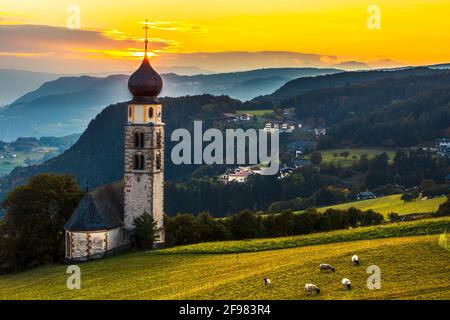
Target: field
point(261, 115)
point(393, 203)
point(7, 165)
point(328, 155)
point(411, 268)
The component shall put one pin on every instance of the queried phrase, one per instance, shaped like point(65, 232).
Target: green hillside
point(393, 203)
point(411, 268)
point(334, 155)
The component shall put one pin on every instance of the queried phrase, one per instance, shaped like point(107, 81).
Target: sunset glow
point(412, 32)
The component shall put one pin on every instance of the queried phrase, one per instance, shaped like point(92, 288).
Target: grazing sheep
point(355, 260)
point(326, 266)
point(346, 284)
point(311, 288)
point(267, 282)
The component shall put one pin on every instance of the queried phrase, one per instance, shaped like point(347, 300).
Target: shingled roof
point(100, 209)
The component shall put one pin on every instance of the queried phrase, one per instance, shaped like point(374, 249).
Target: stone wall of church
point(85, 245)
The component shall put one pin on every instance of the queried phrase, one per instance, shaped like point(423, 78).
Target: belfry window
point(139, 140)
point(158, 139)
point(158, 161)
point(138, 162)
point(150, 112)
point(129, 112)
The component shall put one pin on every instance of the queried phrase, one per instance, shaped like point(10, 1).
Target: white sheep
point(326, 267)
point(311, 288)
point(267, 282)
point(346, 284)
point(355, 260)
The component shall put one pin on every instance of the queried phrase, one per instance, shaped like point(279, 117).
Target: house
point(280, 127)
point(285, 172)
point(297, 163)
point(443, 147)
point(365, 195)
point(245, 117)
point(300, 147)
point(239, 175)
point(320, 131)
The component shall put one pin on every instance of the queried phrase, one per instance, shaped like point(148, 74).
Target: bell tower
point(144, 149)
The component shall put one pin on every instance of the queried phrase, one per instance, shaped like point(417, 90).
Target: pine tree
point(146, 231)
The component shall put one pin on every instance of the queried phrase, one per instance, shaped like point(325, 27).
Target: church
point(103, 221)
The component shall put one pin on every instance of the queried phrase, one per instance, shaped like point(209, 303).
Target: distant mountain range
point(66, 105)
point(376, 108)
point(304, 85)
point(15, 83)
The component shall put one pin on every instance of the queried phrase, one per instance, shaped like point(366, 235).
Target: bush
point(393, 216)
point(146, 231)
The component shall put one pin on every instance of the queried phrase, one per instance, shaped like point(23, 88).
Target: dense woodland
point(308, 186)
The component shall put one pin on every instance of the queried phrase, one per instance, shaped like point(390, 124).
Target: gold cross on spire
point(146, 27)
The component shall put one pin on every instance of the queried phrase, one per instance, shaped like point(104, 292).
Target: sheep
point(346, 284)
point(355, 260)
point(311, 289)
point(267, 282)
point(326, 266)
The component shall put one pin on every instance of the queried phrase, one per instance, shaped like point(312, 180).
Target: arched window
point(129, 112)
point(158, 161)
point(138, 162)
point(158, 139)
point(150, 112)
point(139, 140)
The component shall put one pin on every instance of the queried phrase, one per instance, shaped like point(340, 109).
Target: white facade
point(84, 245)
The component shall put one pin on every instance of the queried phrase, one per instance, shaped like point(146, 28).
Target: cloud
point(175, 26)
point(64, 43)
point(244, 60)
point(61, 50)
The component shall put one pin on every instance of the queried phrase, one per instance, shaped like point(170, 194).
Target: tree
point(146, 231)
point(394, 216)
point(444, 209)
point(316, 158)
point(32, 230)
point(345, 154)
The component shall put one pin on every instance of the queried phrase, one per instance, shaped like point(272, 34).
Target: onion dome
point(145, 83)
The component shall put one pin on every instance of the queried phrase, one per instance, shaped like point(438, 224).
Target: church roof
point(100, 209)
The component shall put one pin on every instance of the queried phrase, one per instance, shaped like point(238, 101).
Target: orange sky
point(201, 33)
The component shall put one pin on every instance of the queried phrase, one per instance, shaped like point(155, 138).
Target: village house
point(365, 195)
point(239, 175)
point(443, 147)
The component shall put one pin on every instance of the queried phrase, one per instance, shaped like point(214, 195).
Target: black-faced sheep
point(355, 260)
point(326, 267)
point(267, 282)
point(346, 284)
point(311, 288)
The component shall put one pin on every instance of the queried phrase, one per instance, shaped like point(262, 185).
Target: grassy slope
point(393, 203)
point(7, 165)
point(327, 155)
point(411, 268)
